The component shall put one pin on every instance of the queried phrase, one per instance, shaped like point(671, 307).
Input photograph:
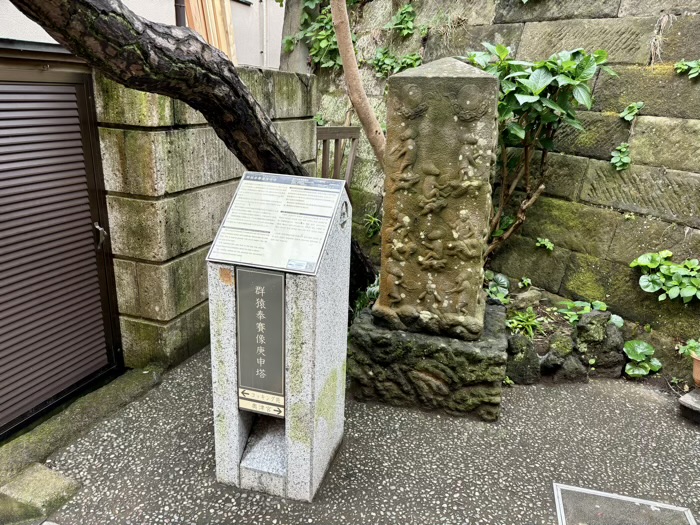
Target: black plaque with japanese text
point(260, 317)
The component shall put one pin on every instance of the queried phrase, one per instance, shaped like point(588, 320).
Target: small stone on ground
point(40, 487)
point(153, 463)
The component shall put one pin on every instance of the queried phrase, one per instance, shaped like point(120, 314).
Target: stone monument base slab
point(432, 372)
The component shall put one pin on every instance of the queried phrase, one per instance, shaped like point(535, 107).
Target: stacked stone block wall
point(598, 219)
point(169, 181)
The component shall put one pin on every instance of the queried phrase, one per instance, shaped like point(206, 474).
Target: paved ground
point(154, 464)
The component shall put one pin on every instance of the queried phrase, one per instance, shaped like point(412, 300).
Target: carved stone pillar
point(441, 144)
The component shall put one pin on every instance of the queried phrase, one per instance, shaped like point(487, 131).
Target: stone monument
point(279, 272)
point(441, 148)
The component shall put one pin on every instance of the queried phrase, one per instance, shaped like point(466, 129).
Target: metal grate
point(52, 327)
point(576, 506)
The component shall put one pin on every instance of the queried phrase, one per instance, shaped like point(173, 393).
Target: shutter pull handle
point(102, 233)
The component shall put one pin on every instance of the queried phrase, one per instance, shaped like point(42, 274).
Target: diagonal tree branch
point(172, 61)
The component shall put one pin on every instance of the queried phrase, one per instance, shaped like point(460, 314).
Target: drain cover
point(579, 506)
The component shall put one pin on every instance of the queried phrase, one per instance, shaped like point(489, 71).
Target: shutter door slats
point(52, 332)
point(58, 363)
point(35, 358)
point(59, 381)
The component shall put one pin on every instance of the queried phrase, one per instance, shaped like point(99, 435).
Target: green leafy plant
point(497, 286)
point(544, 243)
point(507, 381)
point(642, 360)
point(621, 157)
point(674, 281)
point(631, 111)
point(573, 310)
point(690, 349)
point(372, 224)
point(320, 120)
point(403, 21)
point(386, 64)
point(525, 282)
point(319, 35)
point(367, 297)
point(691, 67)
point(506, 222)
point(424, 32)
point(617, 320)
point(536, 99)
point(526, 322)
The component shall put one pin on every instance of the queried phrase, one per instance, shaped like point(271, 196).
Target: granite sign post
point(278, 299)
point(429, 341)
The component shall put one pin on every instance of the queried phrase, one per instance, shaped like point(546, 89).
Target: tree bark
point(356, 90)
point(172, 61)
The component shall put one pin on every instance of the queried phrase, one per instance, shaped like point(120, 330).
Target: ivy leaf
point(582, 94)
point(650, 283)
point(638, 350)
point(617, 320)
point(688, 291)
point(524, 99)
point(517, 130)
point(635, 371)
point(655, 365)
point(599, 305)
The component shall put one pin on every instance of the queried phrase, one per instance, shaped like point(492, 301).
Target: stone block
point(519, 257)
point(523, 366)
point(13, 511)
point(436, 13)
point(301, 136)
point(462, 39)
point(603, 132)
point(119, 105)
point(690, 406)
point(186, 115)
point(293, 95)
point(161, 291)
point(170, 343)
point(163, 162)
point(658, 7)
point(626, 40)
point(573, 226)
point(564, 175)
point(433, 372)
point(663, 91)
point(41, 487)
point(541, 10)
point(589, 278)
point(261, 84)
point(668, 142)
point(162, 229)
point(680, 40)
point(667, 194)
point(639, 235)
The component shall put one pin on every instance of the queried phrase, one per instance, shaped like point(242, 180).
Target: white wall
point(257, 30)
point(15, 26)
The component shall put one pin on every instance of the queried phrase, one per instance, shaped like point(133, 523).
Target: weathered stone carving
point(442, 135)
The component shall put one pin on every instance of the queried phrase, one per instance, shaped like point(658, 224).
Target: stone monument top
point(442, 130)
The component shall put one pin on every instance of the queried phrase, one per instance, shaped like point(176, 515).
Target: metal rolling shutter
point(52, 326)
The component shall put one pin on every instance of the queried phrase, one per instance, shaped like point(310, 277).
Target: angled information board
point(277, 222)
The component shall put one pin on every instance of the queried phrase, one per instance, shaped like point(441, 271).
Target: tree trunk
point(172, 61)
point(176, 62)
point(356, 90)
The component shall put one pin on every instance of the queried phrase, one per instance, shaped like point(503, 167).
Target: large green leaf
point(524, 99)
point(582, 94)
point(638, 350)
point(541, 79)
point(655, 365)
point(636, 370)
point(650, 283)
